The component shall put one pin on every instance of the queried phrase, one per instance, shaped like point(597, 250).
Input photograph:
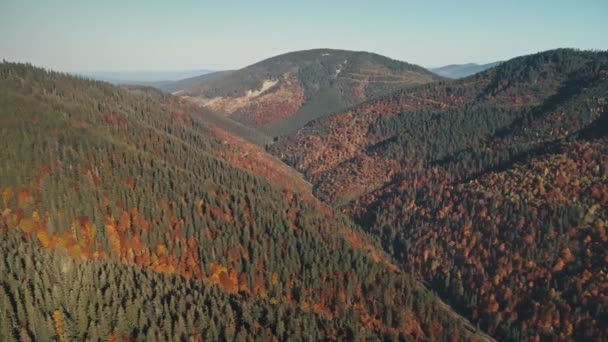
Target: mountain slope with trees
point(125, 214)
point(492, 188)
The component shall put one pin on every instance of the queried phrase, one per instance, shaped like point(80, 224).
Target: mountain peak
point(284, 92)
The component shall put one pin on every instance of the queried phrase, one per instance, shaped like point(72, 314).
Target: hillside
point(126, 215)
point(462, 70)
point(285, 92)
point(504, 168)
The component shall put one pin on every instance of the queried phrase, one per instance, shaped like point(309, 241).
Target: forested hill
point(285, 92)
point(493, 188)
point(125, 214)
point(545, 95)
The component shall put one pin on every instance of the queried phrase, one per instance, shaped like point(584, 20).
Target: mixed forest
point(393, 204)
point(492, 188)
point(126, 215)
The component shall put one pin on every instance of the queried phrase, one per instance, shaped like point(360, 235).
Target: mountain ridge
point(455, 71)
point(141, 77)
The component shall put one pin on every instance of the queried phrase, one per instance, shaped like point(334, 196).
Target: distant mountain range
point(462, 70)
point(141, 77)
point(189, 82)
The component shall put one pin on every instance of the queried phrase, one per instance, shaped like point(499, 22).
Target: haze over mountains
point(462, 70)
point(176, 80)
point(154, 78)
point(321, 194)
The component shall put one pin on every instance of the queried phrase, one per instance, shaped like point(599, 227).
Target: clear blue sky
point(224, 34)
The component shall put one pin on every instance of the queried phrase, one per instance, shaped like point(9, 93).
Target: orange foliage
point(411, 326)
point(227, 282)
point(246, 155)
point(113, 236)
point(491, 259)
point(220, 275)
point(125, 222)
point(243, 283)
point(23, 197)
point(7, 195)
point(259, 287)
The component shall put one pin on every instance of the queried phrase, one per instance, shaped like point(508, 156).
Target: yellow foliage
point(275, 278)
point(199, 207)
point(7, 194)
point(216, 268)
point(59, 327)
point(73, 228)
point(44, 238)
point(75, 251)
point(27, 224)
point(92, 229)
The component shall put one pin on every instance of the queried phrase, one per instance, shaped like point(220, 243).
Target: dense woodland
point(493, 188)
point(125, 214)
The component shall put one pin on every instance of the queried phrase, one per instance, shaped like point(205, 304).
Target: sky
point(93, 35)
